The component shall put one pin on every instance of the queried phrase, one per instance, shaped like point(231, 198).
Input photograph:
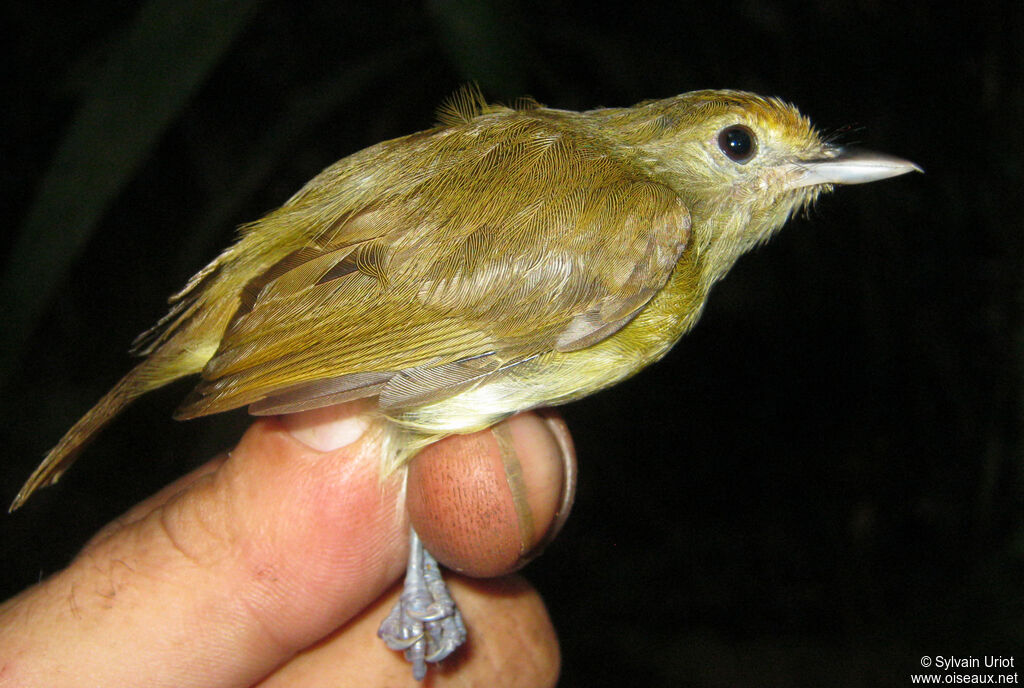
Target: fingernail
point(561, 441)
point(328, 429)
point(505, 435)
point(562, 435)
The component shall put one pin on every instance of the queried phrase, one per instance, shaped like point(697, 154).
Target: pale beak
point(852, 166)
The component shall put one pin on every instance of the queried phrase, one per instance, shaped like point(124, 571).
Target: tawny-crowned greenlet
point(506, 259)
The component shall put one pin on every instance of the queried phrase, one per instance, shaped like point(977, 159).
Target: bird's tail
point(151, 373)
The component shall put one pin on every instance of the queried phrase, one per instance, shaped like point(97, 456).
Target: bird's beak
point(851, 166)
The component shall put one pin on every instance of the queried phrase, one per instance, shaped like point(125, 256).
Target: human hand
point(273, 564)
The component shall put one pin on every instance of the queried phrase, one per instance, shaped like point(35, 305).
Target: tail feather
point(140, 380)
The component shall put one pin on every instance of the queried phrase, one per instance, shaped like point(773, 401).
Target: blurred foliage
point(821, 484)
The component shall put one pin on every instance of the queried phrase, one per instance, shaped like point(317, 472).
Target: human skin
point(273, 564)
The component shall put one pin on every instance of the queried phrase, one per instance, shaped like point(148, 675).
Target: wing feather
point(514, 239)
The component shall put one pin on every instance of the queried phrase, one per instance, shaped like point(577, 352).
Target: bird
point(508, 258)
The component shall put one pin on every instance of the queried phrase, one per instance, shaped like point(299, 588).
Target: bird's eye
point(738, 143)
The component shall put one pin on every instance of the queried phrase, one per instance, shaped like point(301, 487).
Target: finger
point(156, 500)
point(511, 644)
point(483, 504)
point(230, 572)
point(227, 579)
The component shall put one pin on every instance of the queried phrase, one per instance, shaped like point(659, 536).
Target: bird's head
point(744, 164)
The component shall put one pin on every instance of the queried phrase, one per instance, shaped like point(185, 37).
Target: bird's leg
point(424, 623)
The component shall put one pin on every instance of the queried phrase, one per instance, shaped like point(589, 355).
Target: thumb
point(230, 572)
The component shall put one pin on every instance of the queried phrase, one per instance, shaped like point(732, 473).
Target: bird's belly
point(547, 380)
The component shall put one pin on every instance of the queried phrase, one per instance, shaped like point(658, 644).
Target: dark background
point(819, 485)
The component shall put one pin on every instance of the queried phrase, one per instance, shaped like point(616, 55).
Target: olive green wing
point(520, 240)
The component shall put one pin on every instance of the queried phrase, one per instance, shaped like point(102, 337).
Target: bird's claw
point(425, 624)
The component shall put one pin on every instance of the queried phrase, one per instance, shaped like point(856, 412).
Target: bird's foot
point(425, 623)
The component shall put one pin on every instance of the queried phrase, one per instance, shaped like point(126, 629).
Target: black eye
point(738, 143)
